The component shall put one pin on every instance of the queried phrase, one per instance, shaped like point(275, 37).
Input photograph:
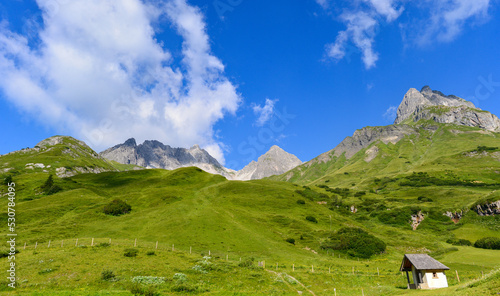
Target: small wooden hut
point(427, 272)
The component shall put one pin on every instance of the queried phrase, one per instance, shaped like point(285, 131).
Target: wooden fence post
point(76, 244)
point(156, 247)
point(48, 245)
point(190, 248)
point(135, 243)
point(36, 244)
point(378, 272)
point(92, 243)
point(24, 246)
point(456, 271)
point(62, 243)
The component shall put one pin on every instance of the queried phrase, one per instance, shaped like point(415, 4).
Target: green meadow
point(193, 233)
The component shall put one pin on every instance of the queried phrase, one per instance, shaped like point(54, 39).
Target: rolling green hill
point(192, 214)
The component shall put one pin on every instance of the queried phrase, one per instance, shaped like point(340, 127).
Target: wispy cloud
point(361, 30)
point(437, 20)
point(448, 18)
point(100, 74)
point(391, 113)
point(265, 112)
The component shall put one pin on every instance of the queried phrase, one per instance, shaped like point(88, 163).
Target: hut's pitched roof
point(421, 262)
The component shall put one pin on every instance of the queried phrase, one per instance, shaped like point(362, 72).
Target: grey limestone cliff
point(154, 154)
point(274, 162)
point(429, 104)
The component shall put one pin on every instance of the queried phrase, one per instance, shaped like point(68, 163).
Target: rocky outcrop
point(454, 216)
point(429, 104)
point(363, 138)
point(488, 209)
point(274, 162)
point(416, 219)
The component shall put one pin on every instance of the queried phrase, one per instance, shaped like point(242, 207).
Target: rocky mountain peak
point(130, 143)
point(433, 105)
point(276, 161)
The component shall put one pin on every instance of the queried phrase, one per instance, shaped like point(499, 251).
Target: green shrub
point(356, 242)
point(107, 275)
point(151, 253)
point(117, 207)
point(311, 194)
point(312, 219)
point(180, 277)
point(49, 187)
point(103, 245)
point(138, 289)
point(425, 199)
point(301, 202)
point(246, 263)
point(459, 242)
point(7, 180)
point(290, 240)
point(488, 243)
point(398, 217)
point(131, 252)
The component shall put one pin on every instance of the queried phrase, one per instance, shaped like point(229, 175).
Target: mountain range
point(429, 183)
point(154, 154)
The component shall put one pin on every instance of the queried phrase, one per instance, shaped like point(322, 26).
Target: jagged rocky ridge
point(433, 105)
point(154, 154)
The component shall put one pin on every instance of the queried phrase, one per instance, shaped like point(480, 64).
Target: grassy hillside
point(192, 214)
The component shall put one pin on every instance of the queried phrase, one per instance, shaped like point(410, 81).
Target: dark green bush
point(246, 263)
point(356, 242)
point(7, 180)
point(103, 245)
point(488, 243)
point(138, 289)
point(107, 275)
point(301, 202)
point(398, 217)
point(359, 193)
point(425, 199)
point(312, 219)
point(131, 252)
point(117, 207)
point(151, 253)
point(459, 242)
point(311, 194)
point(290, 240)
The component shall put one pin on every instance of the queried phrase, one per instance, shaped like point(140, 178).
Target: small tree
point(7, 180)
point(49, 187)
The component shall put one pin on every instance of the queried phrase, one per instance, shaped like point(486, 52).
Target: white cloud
point(430, 20)
point(100, 74)
point(361, 31)
point(265, 112)
point(391, 113)
point(386, 8)
point(448, 18)
point(323, 3)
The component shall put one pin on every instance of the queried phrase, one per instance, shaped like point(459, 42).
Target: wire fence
point(363, 268)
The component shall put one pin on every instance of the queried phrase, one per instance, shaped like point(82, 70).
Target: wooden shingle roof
point(421, 262)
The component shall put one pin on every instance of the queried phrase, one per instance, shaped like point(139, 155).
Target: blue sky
point(235, 76)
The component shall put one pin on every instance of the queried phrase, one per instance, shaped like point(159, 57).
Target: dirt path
point(288, 284)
